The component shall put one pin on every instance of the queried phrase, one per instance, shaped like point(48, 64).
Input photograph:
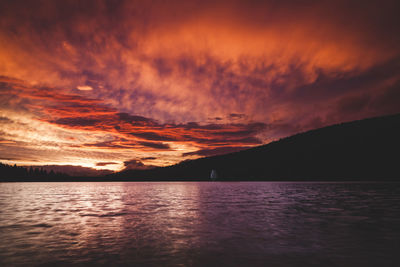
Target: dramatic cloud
point(105, 163)
point(39, 123)
point(135, 164)
point(164, 81)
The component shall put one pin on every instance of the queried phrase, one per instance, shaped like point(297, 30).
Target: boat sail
point(213, 175)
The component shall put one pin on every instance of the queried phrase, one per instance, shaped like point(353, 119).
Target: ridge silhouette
point(363, 150)
point(367, 149)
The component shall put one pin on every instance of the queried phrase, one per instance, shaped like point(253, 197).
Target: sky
point(136, 84)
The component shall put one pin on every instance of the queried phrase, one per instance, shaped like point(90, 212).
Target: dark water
point(200, 224)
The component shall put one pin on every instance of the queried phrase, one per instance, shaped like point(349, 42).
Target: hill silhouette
point(364, 150)
point(367, 149)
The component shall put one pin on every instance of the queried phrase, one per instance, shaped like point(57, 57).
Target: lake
point(200, 224)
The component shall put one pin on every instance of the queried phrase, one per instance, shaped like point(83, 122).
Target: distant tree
point(18, 173)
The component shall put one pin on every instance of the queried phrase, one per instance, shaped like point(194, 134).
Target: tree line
point(17, 173)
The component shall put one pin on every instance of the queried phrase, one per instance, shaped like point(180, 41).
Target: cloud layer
point(129, 80)
point(41, 124)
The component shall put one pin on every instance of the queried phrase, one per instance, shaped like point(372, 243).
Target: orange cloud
point(76, 118)
point(138, 74)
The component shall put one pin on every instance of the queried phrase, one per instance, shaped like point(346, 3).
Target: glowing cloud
point(84, 88)
point(160, 82)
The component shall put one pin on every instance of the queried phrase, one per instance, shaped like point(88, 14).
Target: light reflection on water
point(199, 224)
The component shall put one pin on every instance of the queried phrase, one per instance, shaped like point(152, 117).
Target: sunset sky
point(135, 84)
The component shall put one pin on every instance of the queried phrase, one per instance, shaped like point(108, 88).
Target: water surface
point(200, 224)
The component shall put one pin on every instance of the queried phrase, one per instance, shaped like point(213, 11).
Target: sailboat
point(213, 175)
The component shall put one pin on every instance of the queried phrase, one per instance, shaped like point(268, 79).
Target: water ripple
point(199, 224)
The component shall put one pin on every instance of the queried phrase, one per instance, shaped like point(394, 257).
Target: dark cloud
point(153, 136)
point(116, 144)
point(78, 121)
point(148, 158)
point(215, 151)
point(216, 118)
point(135, 164)
point(5, 120)
point(10, 158)
point(387, 101)
point(162, 66)
point(135, 119)
point(237, 115)
point(353, 104)
point(155, 145)
point(105, 163)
